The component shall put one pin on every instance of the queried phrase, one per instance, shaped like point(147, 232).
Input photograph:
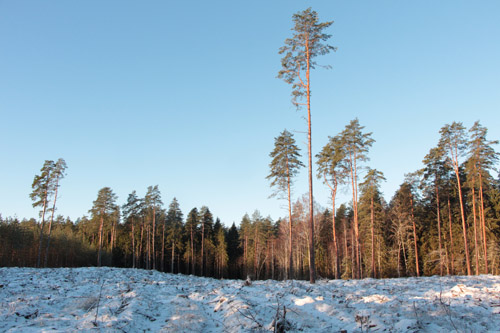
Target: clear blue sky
point(184, 94)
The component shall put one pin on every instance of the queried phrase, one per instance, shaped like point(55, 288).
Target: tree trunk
point(439, 231)
point(290, 255)
point(50, 224)
point(312, 265)
point(483, 223)
point(42, 224)
point(372, 218)
point(141, 252)
point(202, 246)
point(163, 249)
point(335, 263)
point(133, 245)
point(414, 236)
point(476, 248)
point(153, 238)
point(100, 240)
point(272, 260)
point(451, 238)
point(173, 258)
point(354, 184)
point(464, 226)
point(192, 251)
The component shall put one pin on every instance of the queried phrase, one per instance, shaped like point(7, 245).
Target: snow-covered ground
point(130, 300)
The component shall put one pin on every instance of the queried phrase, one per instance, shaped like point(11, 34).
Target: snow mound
point(130, 300)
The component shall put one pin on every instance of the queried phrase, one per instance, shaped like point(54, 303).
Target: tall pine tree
point(284, 166)
point(307, 43)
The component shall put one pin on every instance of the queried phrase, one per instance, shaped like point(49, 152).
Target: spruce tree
point(307, 43)
point(285, 164)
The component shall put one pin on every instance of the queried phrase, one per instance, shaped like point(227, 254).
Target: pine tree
point(58, 173)
point(131, 214)
point(284, 166)
point(333, 170)
point(153, 203)
point(306, 44)
point(206, 220)
point(174, 229)
point(221, 256)
point(192, 221)
point(245, 231)
point(410, 186)
point(103, 208)
point(356, 145)
point(371, 188)
point(435, 172)
point(42, 190)
point(482, 159)
point(453, 141)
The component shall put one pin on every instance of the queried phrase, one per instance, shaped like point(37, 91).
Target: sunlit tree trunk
point(372, 218)
point(483, 224)
point(414, 236)
point(439, 231)
point(476, 247)
point(451, 238)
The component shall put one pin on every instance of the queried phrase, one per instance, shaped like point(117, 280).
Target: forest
point(443, 219)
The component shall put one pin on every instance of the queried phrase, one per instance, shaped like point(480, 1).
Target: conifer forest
point(444, 219)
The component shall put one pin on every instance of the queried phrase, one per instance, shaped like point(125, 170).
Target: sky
point(184, 94)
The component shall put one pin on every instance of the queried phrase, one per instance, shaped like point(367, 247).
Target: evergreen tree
point(103, 208)
point(206, 220)
point(42, 190)
point(453, 141)
point(371, 189)
point(284, 166)
point(245, 231)
point(233, 251)
point(153, 203)
point(131, 214)
point(221, 256)
point(58, 173)
point(300, 51)
point(434, 175)
point(192, 221)
point(410, 186)
point(356, 145)
point(333, 170)
point(482, 158)
point(174, 229)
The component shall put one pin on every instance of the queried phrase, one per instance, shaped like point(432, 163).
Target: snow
point(130, 300)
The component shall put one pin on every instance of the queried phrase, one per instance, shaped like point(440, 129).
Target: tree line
point(443, 219)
